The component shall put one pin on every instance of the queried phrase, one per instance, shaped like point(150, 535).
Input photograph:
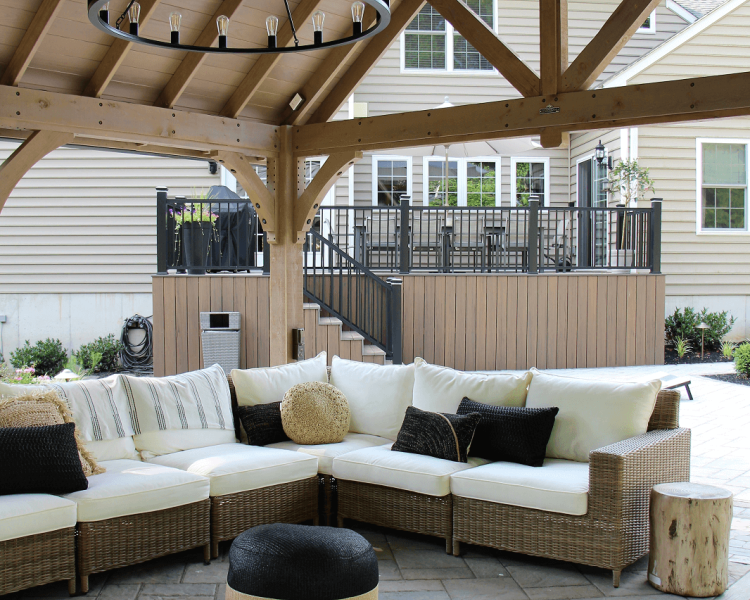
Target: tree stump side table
point(690, 526)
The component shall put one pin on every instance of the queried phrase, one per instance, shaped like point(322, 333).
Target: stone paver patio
point(417, 568)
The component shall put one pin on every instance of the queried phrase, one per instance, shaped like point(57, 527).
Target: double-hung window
point(431, 44)
point(471, 181)
point(722, 169)
point(529, 178)
point(391, 179)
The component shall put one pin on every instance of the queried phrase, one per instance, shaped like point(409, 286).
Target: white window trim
point(462, 176)
point(651, 30)
point(699, 186)
point(409, 175)
point(529, 159)
point(449, 31)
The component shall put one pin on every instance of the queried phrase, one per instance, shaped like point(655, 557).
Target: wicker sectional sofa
point(171, 489)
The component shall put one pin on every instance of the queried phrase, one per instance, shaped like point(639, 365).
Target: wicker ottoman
point(301, 562)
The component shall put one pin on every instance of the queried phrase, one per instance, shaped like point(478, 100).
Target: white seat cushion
point(130, 487)
point(593, 413)
point(441, 389)
point(560, 486)
point(30, 514)
point(378, 395)
point(233, 468)
point(325, 453)
point(401, 470)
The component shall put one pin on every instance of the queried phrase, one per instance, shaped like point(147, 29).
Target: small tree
point(630, 180)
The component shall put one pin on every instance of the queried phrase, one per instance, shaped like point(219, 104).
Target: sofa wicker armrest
point(666, 413)
point(621, 476)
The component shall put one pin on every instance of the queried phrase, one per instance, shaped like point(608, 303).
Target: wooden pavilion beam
point(32, 39)
point(266, 62)
point(133, 123)
point(307, 204)
point(612, 37)
point(116, 55)
point(374, 50)
point(484, 39)
point(34, 148)
point(663, 102)
point(189, 66)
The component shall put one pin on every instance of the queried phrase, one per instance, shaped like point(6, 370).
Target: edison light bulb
point(104, 13)
point(358, 13)
point(134, 13)
point(272, 27)
point(174, 26)
point(317, 20)
point(222, 24)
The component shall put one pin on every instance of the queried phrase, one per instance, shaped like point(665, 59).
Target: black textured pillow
point(437, 434)
point(262, 424)
point(510, 433)
point(41, 460)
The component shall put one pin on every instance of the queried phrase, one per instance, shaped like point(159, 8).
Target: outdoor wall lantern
point(99, 17)
point(601, 154)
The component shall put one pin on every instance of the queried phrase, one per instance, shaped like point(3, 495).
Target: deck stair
point(323, 332)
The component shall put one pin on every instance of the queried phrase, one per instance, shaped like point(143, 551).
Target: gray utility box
point(220, 338)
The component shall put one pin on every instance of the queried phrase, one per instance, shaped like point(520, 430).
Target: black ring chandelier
point(99, 16)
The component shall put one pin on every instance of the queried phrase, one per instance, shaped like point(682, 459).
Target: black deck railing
point(531, 239)
point(348, 290)
point(199, 235)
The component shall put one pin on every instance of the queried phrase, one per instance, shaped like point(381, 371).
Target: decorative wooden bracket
point(263, 200)
point(309, 202)
point(36, 147)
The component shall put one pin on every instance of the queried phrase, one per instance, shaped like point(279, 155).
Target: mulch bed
point(731, 378)
point(692, 358)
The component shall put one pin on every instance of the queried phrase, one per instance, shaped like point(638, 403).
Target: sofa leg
point(316, 520)
point(71, 587)
point(210, 550)
point(84, 584)
point(449, 545)
point(339, 521)
point(456, 548)
point(616, 577)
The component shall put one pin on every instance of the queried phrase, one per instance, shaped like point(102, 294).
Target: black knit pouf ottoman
point(301, 562)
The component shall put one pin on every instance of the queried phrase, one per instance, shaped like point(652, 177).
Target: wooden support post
point(553, 51)
point(285, 251)
point(36, 147)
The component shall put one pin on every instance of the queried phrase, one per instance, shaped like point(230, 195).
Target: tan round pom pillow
point(315, 413)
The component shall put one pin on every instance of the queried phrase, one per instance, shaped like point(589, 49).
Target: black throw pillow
point(40, 460)
point(262, 424)
point(510, 433)
point(436, 434)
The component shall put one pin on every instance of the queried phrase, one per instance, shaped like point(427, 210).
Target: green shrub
point(48, 357)
point(742, 359)
point(683, 324)
point(100, 356)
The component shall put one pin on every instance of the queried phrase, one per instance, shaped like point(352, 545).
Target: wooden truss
point(553, 102)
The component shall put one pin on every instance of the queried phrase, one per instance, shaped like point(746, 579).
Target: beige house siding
point(84, 221)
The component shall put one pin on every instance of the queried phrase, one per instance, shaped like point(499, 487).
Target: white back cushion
point(378, 395)
point(593, 413)
point(121, 448)
point(13, 391)
point(269, 384)
point(180, 412)
point(441, 389)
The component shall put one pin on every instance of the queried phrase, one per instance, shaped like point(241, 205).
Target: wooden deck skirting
point(465, 321)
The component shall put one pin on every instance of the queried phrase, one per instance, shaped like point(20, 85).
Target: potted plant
point(195, 225)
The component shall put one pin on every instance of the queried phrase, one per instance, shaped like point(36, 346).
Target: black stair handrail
point(349, 291)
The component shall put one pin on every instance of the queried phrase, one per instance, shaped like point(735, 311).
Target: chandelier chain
point(121, 18)
point(291, 22)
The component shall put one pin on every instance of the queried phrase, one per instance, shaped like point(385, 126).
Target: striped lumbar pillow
point(180, 412)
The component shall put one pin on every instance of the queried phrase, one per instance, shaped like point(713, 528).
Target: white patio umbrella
point(511, 146)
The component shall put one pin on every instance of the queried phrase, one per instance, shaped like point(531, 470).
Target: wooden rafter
point(484, 40)
point(374, 50)
point(262, 198)
point(612, 37)
point(116, 55)
point(126, 122)
point(266, 62)
point(307, 204)
point(32, 39)
point(184, 74)
point(663, 102)
point(34, 148)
